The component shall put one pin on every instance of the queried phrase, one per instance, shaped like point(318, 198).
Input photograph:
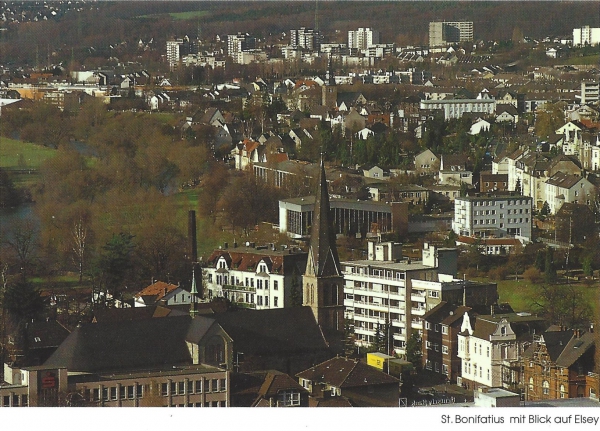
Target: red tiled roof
point(158, 290)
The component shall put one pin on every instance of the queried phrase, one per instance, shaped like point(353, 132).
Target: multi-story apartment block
point(586, 35)
point(239, 42)
point(363, 38)
point(449, 32)
point(493, 216)
point(590, 91)
point(255, 277)
point(491, 347)
point(455, 108)
point(305, 38)
point(562, 188)
point(386, 290)
point(177, 48)
point(560, 364)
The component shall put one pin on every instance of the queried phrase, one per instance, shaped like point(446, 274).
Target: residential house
point(280, 390)
point(160, 292)
point(491, 347)
point(354, 380)
point(562, 188)
point(560, 364)
point(426, 162)
point(489, 182)
point(255, 277)
point(373, 171)
point(507, 114)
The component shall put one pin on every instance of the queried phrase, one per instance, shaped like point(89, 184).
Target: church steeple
point(323, 260)
point(323, 284)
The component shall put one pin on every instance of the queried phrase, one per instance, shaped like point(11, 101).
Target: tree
point(23, 301)
point(549, 268)
point(414, 350)
point(114, 264)
point(22, 240)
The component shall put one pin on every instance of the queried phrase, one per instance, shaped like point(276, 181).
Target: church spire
point(323, 260)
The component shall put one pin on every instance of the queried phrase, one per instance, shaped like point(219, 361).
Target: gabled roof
point(275, 382)
point(346, 373)
point(279, 331)
point(124, 345)
point(564, 181)
point(157, 290)
point(576, 347)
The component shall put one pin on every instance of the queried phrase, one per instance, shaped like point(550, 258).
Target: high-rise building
point(177, 48)
point(443, 33)
point(363, 38)
point(305, 38)
point(239, 42)
point(586, 35)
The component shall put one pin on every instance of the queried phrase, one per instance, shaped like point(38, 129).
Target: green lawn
point(22, 155)
point(588, 59)
point(519, 294)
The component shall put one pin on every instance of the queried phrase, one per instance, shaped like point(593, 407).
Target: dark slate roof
point(280, 331)
point(576, 347)
point(44, 334)
point(445, 313)
point(323, 260)
point(124, 345)
point(198, 328)
point(346, 373)
point(102, 315)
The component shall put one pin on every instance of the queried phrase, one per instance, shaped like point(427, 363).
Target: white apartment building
point(443, 33)
point(590, 91)
point(586, 35)
point(239, 42)
point(174, 52)
point(455, 108)
point(305, 38)
point(493, 216)
point(384, 289)
point(253, 277)
point(363, 38)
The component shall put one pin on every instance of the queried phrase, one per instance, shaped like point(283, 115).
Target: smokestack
point(193, 251)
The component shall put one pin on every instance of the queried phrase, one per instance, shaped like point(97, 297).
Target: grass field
point(588, 59)
point(22, 155)
point(180, 16)
point(520, 294)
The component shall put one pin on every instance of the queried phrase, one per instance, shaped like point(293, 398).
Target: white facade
point(497, 216)
point(444, 33)
point(586, 35)
point(590, 92)
point(256, 289)
point(561, 188)
point(173, 52)
point(362, 38)
point(486, 352)
point(455, 108)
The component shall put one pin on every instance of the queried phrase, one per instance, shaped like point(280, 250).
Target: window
point(563, 393)
point(288, 398)
point(130, 392)
point(444, 329)
point(275, 284)
point(445, 350)
point(198, 386)
point(545, 387)
point(113, 393)
point(445, 369)
point(488, 351)
point(275, 302)
point(181, 388)
point(266, 301)
point(222, 385)
point(122, 392)
point(164, 389)
point(140, 391)
point(214, 385)
point(259, 300)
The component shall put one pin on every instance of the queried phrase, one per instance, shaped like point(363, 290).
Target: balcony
point(239, 288)
point(373, 292)
point(417, 298)
point(418, 311)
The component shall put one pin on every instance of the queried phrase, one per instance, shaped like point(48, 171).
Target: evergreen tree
point(549, 269)
point(414, 350)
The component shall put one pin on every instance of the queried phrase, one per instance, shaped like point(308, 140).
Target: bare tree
point(79, 234)
point(22, 240)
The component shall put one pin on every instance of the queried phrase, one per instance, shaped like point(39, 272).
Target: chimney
point(193, 251)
